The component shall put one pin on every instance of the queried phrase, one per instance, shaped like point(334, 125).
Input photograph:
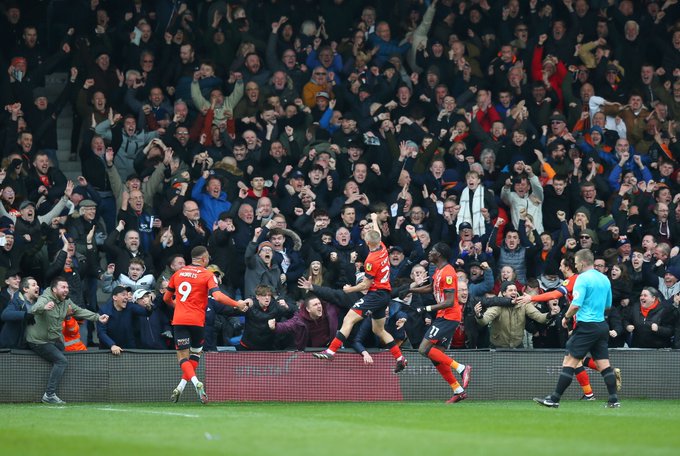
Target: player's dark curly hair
point(570, 262)
point(443, 249)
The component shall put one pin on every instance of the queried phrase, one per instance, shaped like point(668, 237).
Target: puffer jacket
point(643, 337)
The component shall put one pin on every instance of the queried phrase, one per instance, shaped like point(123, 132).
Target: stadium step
point(54, 84)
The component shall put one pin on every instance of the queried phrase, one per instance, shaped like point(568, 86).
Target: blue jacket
point(211, 208)
point(119, 329)
point(12, 333)
point(152, 325)
point(479, 289)
point(615, 176)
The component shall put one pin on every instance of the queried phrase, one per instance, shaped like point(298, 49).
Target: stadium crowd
point(517, 132)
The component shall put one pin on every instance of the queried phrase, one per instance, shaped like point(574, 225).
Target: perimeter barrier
point(150, 376)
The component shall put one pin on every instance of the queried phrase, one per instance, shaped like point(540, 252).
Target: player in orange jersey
point(377, 283)
point(449, 314)
point(188, 291)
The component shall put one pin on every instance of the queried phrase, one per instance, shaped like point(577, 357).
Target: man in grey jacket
point(45, 336)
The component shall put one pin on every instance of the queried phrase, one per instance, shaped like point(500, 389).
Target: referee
point(592, 298)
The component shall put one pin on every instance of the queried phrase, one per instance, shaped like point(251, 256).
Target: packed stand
point(517, 132)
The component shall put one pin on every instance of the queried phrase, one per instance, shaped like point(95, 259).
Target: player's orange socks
point(337, 342)
point(447, 374)
point(188, 370)
point(394, 349)
point(440, 357)
point(583, 380)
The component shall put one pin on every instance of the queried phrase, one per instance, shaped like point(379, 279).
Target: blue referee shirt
point(592, 295)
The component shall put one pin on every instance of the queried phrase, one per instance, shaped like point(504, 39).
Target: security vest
point(71, 331)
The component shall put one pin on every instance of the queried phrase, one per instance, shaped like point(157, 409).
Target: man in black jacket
point(256, 332)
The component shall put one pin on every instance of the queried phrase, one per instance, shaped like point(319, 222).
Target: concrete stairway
point(54, 84)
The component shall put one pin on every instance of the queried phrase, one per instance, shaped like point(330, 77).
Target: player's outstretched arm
point(167, 298)
point(223, 299)
point(543, 297)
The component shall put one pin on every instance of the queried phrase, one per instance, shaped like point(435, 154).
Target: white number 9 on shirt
point(184, 289)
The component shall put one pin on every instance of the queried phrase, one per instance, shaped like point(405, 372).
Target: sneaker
point(588, 398)
point(401, 365)
point(466, 376)
point(457, 398)
point(612, 405)
point(200, 392)
point(619, 381)
point(546, 402)
point(324, 355)
point(176, 394)
point(52, 399)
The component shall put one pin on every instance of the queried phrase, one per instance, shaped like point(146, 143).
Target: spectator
point(17, 315)
point(257, 334)
point(45, 337)
point(260, 266)
point(117, 333)
point(135, 278)
point(314, 324)
point(507, 331)
point(650, 322)
point(122, 254)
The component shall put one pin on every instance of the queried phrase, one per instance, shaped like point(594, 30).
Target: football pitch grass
point(639, 427)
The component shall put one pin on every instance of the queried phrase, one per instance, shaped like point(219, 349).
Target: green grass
point(321, 429)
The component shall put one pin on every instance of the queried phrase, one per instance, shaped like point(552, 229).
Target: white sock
point(182, 384)
point(330, 352)
point(458, 390)
point(460, 368)
point(194, 380)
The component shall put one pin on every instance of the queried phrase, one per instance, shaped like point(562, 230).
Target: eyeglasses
point(319, 74)
point(585, 237)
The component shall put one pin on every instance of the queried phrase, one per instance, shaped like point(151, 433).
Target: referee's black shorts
point(589, 337)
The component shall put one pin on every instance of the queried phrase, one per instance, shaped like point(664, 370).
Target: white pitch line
point(150, 412)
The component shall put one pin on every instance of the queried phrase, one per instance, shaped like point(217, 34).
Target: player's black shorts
point(589, 337)
point(441, 331)
point(375, 301)
point(187, 336)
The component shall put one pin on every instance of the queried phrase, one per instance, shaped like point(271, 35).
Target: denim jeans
point(54, 354)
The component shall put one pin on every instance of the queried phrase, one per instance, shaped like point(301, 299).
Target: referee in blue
point(592, 298)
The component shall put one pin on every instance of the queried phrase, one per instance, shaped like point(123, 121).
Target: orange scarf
point(645, 310)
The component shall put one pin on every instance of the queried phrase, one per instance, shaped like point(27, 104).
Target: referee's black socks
point(610, 381)
point(566, 376)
